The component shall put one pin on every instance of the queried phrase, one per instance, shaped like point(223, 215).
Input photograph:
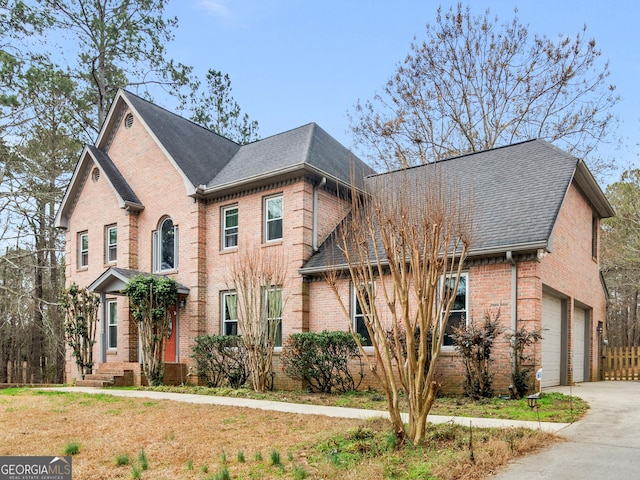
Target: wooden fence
point(621, 363)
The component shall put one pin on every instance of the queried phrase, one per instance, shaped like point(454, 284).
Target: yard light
point(532, 401)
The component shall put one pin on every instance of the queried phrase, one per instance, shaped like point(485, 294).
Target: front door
point(171, 347)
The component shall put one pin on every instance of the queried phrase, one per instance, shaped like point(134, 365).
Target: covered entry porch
point(118, 344)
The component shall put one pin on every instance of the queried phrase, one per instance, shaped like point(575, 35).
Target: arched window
point(165, 246)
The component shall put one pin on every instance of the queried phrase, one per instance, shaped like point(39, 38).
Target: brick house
point(159, 194)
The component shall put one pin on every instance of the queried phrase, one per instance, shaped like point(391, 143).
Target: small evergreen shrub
point(221, 359)
point(72, 448)
point(474, 342)
point(322, 360)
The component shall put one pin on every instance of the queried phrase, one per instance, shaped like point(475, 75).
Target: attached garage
point(551, 340)
point(579, 345)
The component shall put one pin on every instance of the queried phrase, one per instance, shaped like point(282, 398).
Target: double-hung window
point(273, 306)
point(359, 310)
point(230, 227)
point(458, 315)
point(111, 244)
point(165, 246)
point(83, 250)
point(273, 215)
point(112, 331)
point(229, 313)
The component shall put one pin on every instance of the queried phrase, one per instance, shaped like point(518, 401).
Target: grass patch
point(305, 447)
point(448, 452)
point(122, 459)
point(554, 407)
point(143, 460)
point(72, 448)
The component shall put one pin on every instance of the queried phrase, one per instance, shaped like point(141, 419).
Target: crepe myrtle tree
point(80, 325)
point(258, 279)
point(150, 298)
point(404, 246)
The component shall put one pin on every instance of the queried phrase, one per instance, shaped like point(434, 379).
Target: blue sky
point(292, 62)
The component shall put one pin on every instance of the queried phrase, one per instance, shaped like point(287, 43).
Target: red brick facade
point(568, 271)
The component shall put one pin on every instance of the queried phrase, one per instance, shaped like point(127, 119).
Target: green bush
point(321, 360)
point(475, 344)
point(521, 376)
point(221, 359)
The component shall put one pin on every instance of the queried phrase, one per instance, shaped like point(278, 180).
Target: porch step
point(112, 378)
point(93, 383)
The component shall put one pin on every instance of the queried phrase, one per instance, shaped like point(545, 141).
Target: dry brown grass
point(176, 435)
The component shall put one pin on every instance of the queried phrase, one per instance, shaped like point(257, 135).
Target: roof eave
point(203, 191)
point(478, 253)
point(588, 184)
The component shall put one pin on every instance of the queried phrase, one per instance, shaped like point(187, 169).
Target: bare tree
point(474, 83)
point(258, 279)
point(405, 244)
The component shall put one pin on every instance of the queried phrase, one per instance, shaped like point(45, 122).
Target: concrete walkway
point(338, 412)
point(604, 445)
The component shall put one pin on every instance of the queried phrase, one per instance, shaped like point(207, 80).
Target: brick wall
point(572, 272)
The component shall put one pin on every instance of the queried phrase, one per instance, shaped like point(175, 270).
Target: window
point(83, 250)
point(111, 243)
point(230, 227)
point(460, 307)
point(112, 331)
point(165, 246)
point(273, 300)
point(229, 313)
point(358, 313)
point(594, 237)
point(273, 218)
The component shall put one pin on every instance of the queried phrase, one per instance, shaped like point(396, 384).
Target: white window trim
point(451, 348)
point(352, 307)
point(267, 290)
point(266, 218)
point(225, 228)
point(110, 324)
point(157, 248)
point(223, 304)
point(108, 245)
point(82, 264)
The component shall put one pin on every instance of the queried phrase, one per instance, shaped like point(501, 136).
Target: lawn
point(553, 407)
point(118, 438)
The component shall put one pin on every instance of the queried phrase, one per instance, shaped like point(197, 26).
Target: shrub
point(221, 359)
point(321, 360)
point(475, 344)
point(72, 448)
point(521, 382)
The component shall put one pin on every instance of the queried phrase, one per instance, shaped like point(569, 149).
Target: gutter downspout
point(514, 304)
point(315, 212)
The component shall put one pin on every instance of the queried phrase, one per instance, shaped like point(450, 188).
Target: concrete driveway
point(604, 445)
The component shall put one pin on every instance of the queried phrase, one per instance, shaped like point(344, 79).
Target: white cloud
point(215, 8)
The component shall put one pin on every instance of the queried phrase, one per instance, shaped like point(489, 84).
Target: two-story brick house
point(159, 194)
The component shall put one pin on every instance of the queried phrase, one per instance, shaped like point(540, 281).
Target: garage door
point(579, 326)
point(551, 340)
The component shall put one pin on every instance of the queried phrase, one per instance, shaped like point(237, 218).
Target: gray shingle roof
point(307, 146)
point(517, 192)
point(200, 153)
point(114, 176)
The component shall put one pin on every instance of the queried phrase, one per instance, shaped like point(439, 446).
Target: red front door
point(170, 349)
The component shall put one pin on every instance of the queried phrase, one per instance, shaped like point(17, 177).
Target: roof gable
point(196, 152)
point(308, 147)
point(125, 196)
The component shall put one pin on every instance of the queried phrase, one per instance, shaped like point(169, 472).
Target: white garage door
point(551, 340)
point(579, 324)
